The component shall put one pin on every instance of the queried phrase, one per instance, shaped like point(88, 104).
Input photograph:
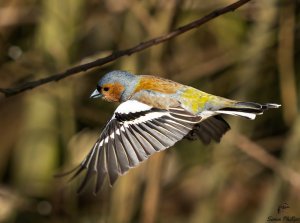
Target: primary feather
point(135, 132)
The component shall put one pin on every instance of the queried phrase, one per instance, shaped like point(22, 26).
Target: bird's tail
point(247, 109)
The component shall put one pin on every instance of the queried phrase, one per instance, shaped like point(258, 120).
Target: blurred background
point(252, 54)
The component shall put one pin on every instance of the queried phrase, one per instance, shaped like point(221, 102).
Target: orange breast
point(157, 84)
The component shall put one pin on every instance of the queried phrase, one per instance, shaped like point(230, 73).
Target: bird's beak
point(96, 94)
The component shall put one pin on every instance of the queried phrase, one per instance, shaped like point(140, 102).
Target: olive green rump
point(197, 101)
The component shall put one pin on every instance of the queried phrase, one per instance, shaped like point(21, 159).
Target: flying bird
point(154, 114)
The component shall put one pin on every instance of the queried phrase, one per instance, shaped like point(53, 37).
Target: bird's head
point(116, 86)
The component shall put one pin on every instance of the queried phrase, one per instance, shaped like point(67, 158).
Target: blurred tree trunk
point(49, 117)
point(286, 65)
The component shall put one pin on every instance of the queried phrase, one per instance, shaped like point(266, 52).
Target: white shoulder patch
point(132, 106)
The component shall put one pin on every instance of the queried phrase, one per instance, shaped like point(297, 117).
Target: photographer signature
point(282, 207)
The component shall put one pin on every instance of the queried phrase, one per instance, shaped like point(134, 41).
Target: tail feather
point(247, 109)
point(253, 105)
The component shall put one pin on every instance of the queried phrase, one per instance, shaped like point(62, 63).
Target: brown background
point(251, 54)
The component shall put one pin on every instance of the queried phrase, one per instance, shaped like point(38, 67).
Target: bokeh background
point(251, 54)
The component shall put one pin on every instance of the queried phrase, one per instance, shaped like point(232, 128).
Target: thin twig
point(117, 54)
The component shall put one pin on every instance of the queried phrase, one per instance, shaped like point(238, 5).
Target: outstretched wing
point(135, 132)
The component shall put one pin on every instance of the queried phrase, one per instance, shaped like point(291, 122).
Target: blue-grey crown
point(117, 76)
point(125, 78)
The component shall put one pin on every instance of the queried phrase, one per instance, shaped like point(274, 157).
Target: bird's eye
point(105, 88)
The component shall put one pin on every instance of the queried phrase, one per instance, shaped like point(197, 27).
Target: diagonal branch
point(117, 54)
point(262, 156)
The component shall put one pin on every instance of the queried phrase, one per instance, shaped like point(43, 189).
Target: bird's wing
point(212, 128)
point(135, 132)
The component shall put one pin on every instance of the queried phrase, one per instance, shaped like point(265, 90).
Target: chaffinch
point(154, 114)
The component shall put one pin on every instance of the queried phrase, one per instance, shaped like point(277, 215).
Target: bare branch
point(117, 54)
point(259, 154)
